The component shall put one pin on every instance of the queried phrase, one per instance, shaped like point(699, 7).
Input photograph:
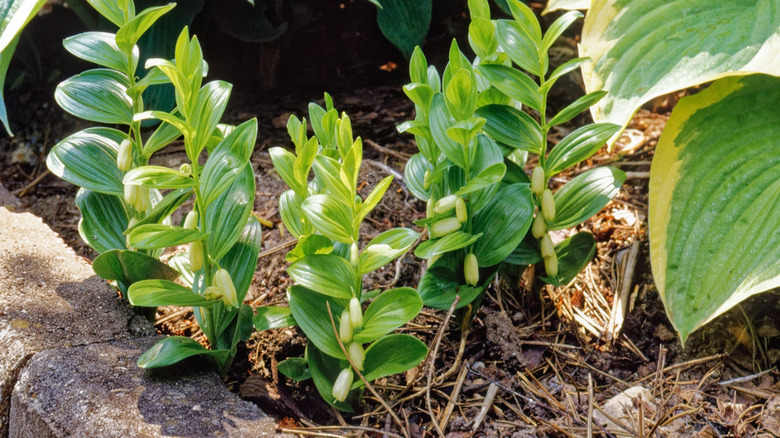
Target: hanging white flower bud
point(548, 205)
point(427, 180)
point(355, 313)
point(539, 227)
point(551, 265)
point(212, 293)
point(357, 354)
point(124, 157)
point(444, 227)
point(224, 283)
point(142, 199)
point(460, 210)
point(131, 193)
point(353, 254)
point(537, 180)
point(446, 204)
point(471, 269)
point(342, 385)
point(196, 255)
point(345, 327)
point(429, 207)
point(547, 246)
point(191, 221)
point(185, 169)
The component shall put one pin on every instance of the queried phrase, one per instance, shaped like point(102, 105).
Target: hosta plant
point(126, 217)
point(474, 139)
point(328, 301)
point(714, 178)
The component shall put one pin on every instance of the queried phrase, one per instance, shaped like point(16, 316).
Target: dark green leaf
point(227, 161)
point(503, 224)
point(405, 22)
point(489, 176)
point(273, 317)
point(208, 109)
point(558, 27)
point(174, 349)
point(573, 254)
point(527, 253)
point(392, 309)
point(511, 127)
point(513, 83)
point(324, 371)
point(444, 280)
point(294, 368)
point(103, 220)
point(310, 311)
point(88, 159)
point(129, 267)
point(578, 146)
point(440, 121)
point(390, 355)
point(327, 274)
point(585, 195)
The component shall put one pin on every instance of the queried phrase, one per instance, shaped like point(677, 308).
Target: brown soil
point(535, 359)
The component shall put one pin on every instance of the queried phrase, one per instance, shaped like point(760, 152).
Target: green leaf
point(163, 209)
point(414, 176)
point(206, 112)
point(153, 236)
point(226, 216)
point(129, 267)
point(294, 368)
point(418, 66)
point(503, 223)
point(330, 217)
point(5, 61)
point(420, 94)
point(227, 160)
point(579, 146)
point(526, 19)
point(174, 349)
point(558, 27)
point(643, 49)
point(714, 200)
point(129, 33)
point(563, 69)
point(88, 159)
point(328, 172)
point(14, 16)
point(512, 127)
point(385, 248)
point(103, 220)
point(327, 274)
point(555, 5)
point(241, 260)
point(513, 83)
point(444, 280)
point(390, 310)
point(284, 163)
point(308, 245)
point(489, 176)
point(585, 195)
point(292, 214)
point(273, 317)
point(310, 311)
point(373, 198)
point(405, 22)
point(112, 11)
point(440, 121)
point(158, 177)
point(573, 109)
point(100, 48)
point(390, 355)
point(153, 293)
point(482, 36)
point(161, 137)
point(519, 45)
point(324, 371)
point(98, 95)
point(448, 243)
point(574, 254)
point(526, 253)
point(461, 94)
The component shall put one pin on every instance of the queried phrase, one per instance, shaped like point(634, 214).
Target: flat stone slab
point(98, 391)
point(49, 298)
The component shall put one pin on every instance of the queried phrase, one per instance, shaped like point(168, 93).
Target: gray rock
point(98, 391)
point(49, 298)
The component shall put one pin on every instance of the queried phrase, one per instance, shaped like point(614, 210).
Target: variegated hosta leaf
point(569, 5)
point(642, 49)
point(715, 200)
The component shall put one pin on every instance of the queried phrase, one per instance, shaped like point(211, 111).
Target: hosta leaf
point(643, 49)
point(585, 195)
point(405, 22)
point(555, 5)
point(174, 349)
point(392, 309)
point(714, 200)
point(88, 159)
point(98, 95)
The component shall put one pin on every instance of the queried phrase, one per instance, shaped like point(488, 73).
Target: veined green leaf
point(578, 146)
point(103, 220)
point(405, 22)
point(308, 245)
point(328, 172)
point(448, 243)
point(390, 310)
point(174, 349)
point(241, 260)
point(113, 11)
point(330, 217)
point(228, 160)
point(273, 317)
point(129, 33)
point(642, 49)
point(292, 214)
point(284, 163)
point(440, 121)
point(714, 200)
point(461, 94)
point(390, 355)
point(503, 223)
point(327, 274)
point(519, 45)
point(129, 267)
point(161, 137)
point(573, 109)
point(482, 36)
point(373, 198)
point(324, 371)
point(414, 176)
point(100, 48)
point(294, 368)
point(444, 280)
point(585, 195)
point(153, 293)
point(310, 311)
point(574, 253)
point(227, 215)
point(158, 177)
point(385, 248)
point(513, 83)
point(488, 176)
point(208, 109)
point(512, 127)
point(88, 159)
point(98, 95)
point(170, 203)
point(153, 236)
point(558, 27)
point(555, 5)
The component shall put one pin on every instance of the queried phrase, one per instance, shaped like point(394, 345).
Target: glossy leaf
point(373, 198)
point(100, 48)
point(158, 177)
point(519, 45)
point(324, 370)
point(98, 95)
point(585, 195)
point(440, 121)
point(294, 368)
point(555, 5)
point(512, 127)
point(503, 224)
point(448, 243)
point(308, 245)
point(489, 176)
point(129, 267)
point(579, 146)
point(482, 36)
point(291, 211)
point(414, 176)
point(241, 260)
point(574, 253)
point(129, 33)
point(327, 274)
point(328, 172)
point(153, 236)
point(153, 293)
point(226, 216)
point(330, 217)
point(714, 200)
point(643, 49)
point(206, 112)
point(228, 160)
point(88, 159)
point(112, 10)
point(310, 311)
point(103, 220)
point(161, 137)
point(405, 22)
point(558, 27)
point(526, 253)
point(385, 248)
point(390, 310)
point(273, 317)
point(575, 108)
point(163, 209)
point(444, 280)
point(513, 83)
point(174, 349)
point(284, 163)
point(390, 355)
